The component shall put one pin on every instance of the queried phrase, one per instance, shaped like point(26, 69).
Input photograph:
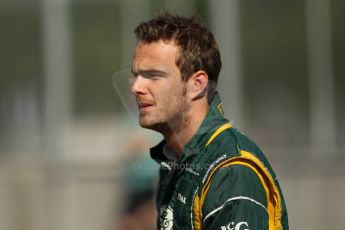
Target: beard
point(170, 114)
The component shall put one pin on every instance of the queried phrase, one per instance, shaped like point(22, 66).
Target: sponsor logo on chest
point(189, 170)
point(166, 218)
point(212, 166)
point(181, 198)
point(235, 226)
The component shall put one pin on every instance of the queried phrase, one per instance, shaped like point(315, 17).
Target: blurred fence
point(63, 128)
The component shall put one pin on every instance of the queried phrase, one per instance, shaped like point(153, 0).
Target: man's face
point(158, 88)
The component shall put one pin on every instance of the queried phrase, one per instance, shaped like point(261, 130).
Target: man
point(211, 176)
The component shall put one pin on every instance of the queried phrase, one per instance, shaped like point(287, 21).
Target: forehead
point(155, 53)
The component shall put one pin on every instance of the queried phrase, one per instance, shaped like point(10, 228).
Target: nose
point(138, 86)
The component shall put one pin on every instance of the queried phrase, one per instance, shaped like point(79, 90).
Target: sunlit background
point(67, 140)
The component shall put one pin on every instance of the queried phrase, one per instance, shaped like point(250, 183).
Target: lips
point(145, 106)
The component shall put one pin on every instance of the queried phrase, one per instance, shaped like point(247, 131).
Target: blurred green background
point(64, 130)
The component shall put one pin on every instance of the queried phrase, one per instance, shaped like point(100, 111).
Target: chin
point(156, 126)
point(146, 124)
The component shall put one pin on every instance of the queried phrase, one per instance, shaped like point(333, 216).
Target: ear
point(197, 85)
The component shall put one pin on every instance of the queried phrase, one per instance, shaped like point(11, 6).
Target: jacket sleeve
point(235, 199)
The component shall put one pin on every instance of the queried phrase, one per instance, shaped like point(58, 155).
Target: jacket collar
point(210, 124)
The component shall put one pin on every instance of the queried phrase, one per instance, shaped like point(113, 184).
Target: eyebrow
point(148, 72)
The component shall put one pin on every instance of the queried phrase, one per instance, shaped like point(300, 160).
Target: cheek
point(170, 93)
point(167, 102)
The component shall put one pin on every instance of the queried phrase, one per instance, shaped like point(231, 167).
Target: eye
point(152, 75)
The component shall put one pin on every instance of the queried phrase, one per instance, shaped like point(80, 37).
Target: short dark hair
point(198, 46)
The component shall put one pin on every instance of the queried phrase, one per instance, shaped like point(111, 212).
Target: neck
point(177, 137)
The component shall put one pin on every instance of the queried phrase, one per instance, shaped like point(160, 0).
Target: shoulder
point(230, 183)
point(232, 155)
point(233, 189)
point(239, 179)
point(233, 143)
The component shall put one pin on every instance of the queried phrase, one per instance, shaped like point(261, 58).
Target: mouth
point(144, 107)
